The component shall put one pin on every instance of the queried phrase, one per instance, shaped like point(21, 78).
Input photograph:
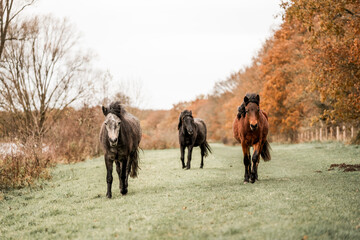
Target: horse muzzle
point(253, 127)
point(113, 143)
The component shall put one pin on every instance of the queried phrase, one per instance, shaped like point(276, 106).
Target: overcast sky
point(176, 49)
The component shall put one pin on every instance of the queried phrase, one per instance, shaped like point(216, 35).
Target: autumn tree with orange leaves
point(285, 70)
point(334, 47)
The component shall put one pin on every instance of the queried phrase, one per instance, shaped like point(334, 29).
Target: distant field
point(296, 197)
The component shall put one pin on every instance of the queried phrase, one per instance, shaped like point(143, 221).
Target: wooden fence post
point(307, 135)
point(344, 133)
point(337, 133)
point(352, 132)
point(326, 134)
point(331, 133)
point(320, 135)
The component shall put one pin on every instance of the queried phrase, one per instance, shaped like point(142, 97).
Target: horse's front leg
point(255, 162)
point(124, 176)
point(247, 163)
point(109, 177)
point(190, 148)
point(118, 170)
point(182, 157)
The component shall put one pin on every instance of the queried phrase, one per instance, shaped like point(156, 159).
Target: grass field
point(296, 197)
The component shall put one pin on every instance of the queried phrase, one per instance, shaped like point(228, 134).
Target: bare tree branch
point(42, 75)
point(7, 15)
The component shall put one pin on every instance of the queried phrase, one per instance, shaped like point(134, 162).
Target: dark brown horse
point(192, 133)
point(120, 136)
point(250, 128)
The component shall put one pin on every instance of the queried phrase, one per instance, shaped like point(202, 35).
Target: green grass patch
point(295, 196)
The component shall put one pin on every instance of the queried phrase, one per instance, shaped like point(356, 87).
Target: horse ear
point(246, 100)
point(105, 110)
point(258, 98)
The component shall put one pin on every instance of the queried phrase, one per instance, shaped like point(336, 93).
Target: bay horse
point(250, 128)
point(192, 133)
point(120, 137)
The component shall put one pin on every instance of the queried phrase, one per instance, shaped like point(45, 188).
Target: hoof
point(252, 179)
point(245, 182)
point(201, 167)
point(124, 191)
point(108, 195)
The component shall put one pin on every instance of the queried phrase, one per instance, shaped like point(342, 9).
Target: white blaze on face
point(112, 124)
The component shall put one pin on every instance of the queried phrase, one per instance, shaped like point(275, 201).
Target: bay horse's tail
point(206, 149)
point(265, 152)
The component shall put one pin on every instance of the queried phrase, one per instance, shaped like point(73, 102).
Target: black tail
point(265, 153)
point(134, 158)
point(206, 149)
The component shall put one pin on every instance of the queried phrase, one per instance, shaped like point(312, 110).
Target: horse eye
point(119, 123)
point(105, 123)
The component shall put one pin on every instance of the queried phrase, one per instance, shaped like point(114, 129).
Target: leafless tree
point(42, 74)
point(133, 90)
point(9, 9)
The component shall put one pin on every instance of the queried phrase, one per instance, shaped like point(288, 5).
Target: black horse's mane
point(182, 115)
point(250, 97)
point(186, 113)
point(117, 109)
point(253, 97)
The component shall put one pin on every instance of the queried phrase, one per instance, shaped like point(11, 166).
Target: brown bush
point(75, 136)
point(24, 167)
point(159, 140)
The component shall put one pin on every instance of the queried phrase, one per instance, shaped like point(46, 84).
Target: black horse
point(192, 133)
point(120, 136)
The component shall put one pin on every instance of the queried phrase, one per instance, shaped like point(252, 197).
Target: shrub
point(24, 167)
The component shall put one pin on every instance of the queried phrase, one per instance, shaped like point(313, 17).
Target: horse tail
point(206, 149)
point(134, 158)
point(265, 152)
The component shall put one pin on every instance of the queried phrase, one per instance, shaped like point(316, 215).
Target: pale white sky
point(177, 49)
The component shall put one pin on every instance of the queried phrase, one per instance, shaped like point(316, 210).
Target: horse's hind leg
point(247, 163)
point(202, 147)
point(109, 177)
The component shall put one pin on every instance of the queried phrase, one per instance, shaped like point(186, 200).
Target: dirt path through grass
point(296, 196)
